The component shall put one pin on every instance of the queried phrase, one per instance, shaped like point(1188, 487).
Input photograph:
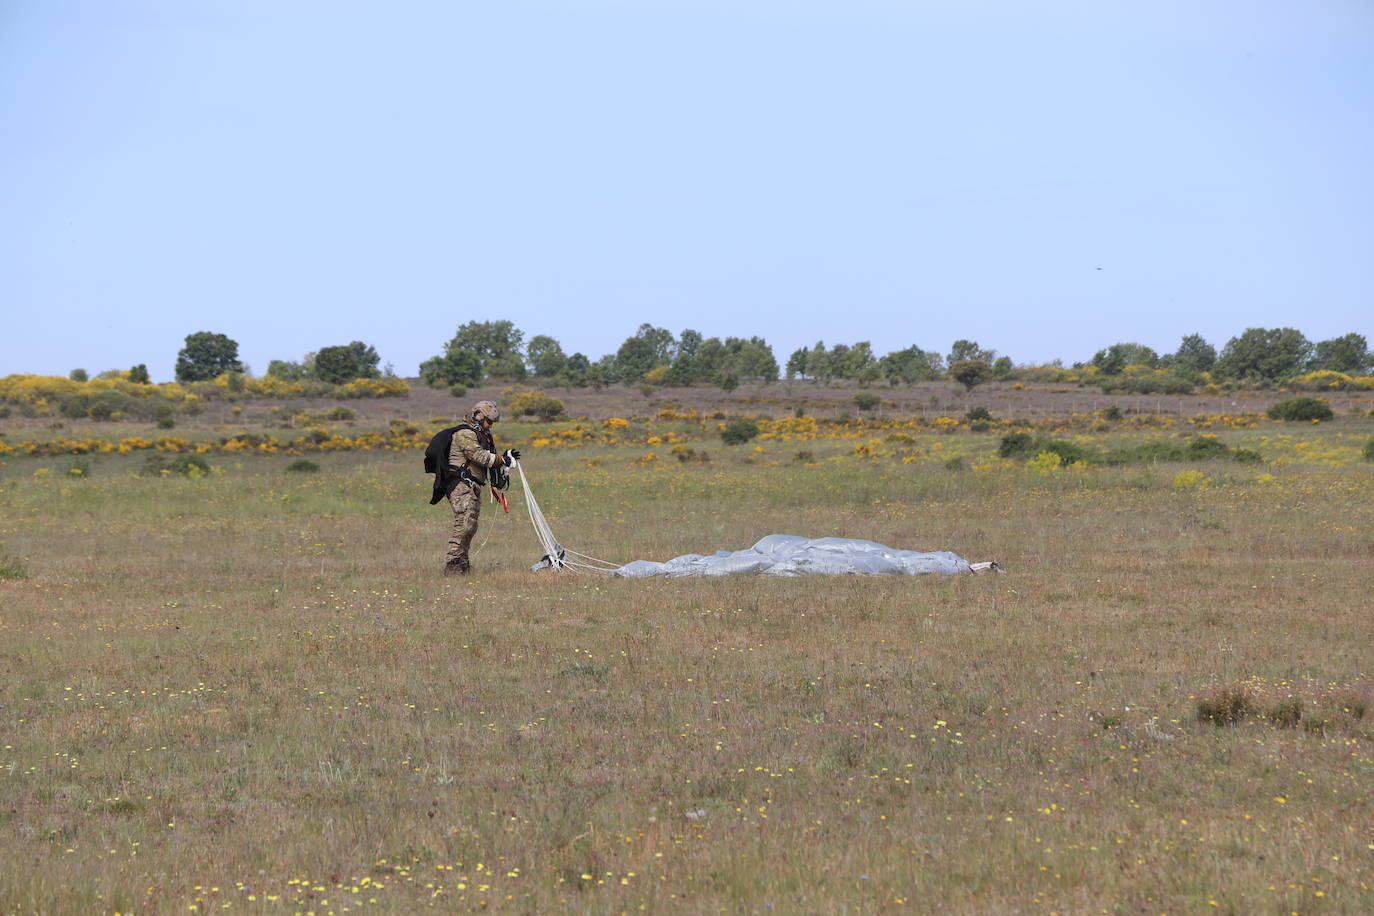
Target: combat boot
point(456, 567)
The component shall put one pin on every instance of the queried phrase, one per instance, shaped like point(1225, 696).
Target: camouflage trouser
point(467, 506)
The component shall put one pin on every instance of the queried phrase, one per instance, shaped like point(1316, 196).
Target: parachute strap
point(556, 556)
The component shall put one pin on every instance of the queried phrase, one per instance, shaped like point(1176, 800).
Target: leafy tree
point(633, 360)
point(342, 364)
point(911, 365)
point(139, 374)
point(207, 355)
point(452, 367)
point(287, 370)
point(494, 345)
point(859, 364)
point(1002, 369)
point(752, 358)
point(970, 372)
point(835, 361)
point(79, 375)
point(1349, 354)
point(966, 350)
point(509, 367)
point(661, 339)
point(545, 357)
point(647, 348)
point(709, 359)
point(1265, 354)
point(1120, 355)
point(574, 374)
point(688, 342)
point(600, 372)
point(796, 363)
point(687, 364)
point(1194, 355)
point(818, 363)
point(489, 339)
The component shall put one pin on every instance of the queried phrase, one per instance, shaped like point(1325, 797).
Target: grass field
point(253, 691)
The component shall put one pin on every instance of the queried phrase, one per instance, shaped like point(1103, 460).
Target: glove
point(509, 455)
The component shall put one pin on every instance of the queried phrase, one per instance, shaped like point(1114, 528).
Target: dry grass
point(254, 689)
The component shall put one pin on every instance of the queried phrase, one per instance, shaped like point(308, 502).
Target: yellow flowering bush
point(533, 403)
point(945, 424)
point(1190, 479)
point(1323, 380)
point(390, 387)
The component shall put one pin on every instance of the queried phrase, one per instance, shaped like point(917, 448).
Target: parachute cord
point(559, 556)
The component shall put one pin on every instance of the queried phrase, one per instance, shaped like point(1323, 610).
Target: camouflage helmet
point(486, 410)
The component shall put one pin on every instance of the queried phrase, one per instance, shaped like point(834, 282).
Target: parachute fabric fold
point(789, 555)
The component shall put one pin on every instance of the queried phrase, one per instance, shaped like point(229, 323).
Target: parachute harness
point(556, 556)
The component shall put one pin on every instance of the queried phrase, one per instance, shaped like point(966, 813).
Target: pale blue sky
point(302, 174)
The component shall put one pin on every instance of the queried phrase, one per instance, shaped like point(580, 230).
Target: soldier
point(473, 452)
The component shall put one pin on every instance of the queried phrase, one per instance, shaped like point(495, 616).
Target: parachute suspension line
point(559, 557)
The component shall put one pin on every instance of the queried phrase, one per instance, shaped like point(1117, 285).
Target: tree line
point(653, 355)
point(481, 350)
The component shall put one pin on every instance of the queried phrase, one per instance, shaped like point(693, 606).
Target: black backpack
point(445, 477)
point(436, 460)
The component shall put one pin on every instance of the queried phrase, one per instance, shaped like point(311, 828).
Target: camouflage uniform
point(468, 449)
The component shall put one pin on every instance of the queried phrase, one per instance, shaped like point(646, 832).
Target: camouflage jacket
point(468, 448)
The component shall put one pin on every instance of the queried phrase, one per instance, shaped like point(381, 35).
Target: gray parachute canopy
point(789, 555)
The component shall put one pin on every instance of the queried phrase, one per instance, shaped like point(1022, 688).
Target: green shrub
point(11, 567)
point(867, 400)
point(1024, 447)
point(1198, 448)
point(1225, 707)
point(458, 391)
point(1146, 453)
point(162, 465)
point(685, 454)
point(74, 406)
point(1017, 445)
point(954, 464)
point(1368, 451)
point(106, 404)
point(1202, 448)
point(340, 412)
point(1285, 713)
point(166, 422)
point(303, 466)
point(1111, 413)
point(1301, 409)
point(739, 431)
point(978, 413)
point(1315, 723)
point(535, 404)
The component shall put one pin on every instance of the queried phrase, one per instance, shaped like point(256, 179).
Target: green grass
point(256, 688)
